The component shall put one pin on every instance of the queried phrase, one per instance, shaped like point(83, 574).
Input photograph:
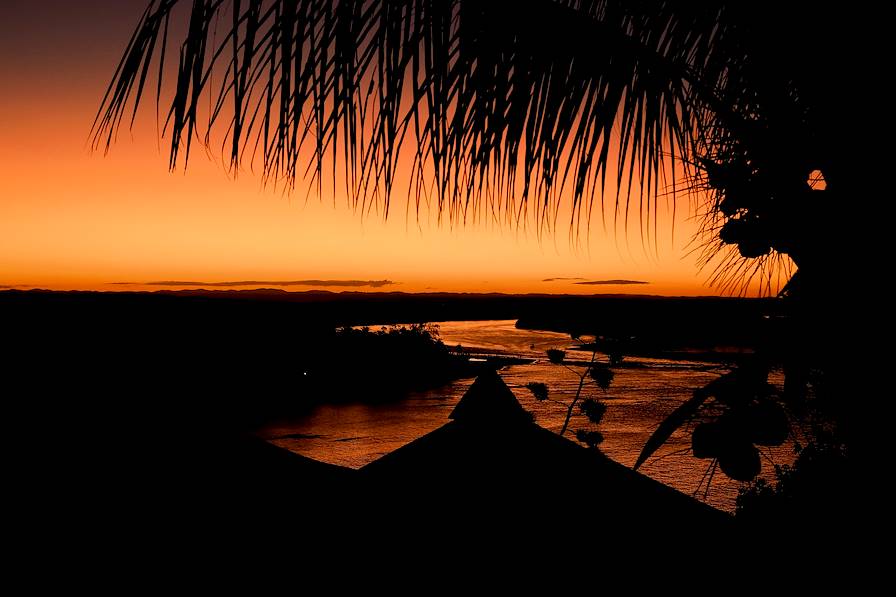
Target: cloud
point(330, 283)
point(586, 282)
point(611, 282)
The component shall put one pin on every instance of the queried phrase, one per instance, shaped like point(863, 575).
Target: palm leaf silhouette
point(478, 107)
point(505, 108)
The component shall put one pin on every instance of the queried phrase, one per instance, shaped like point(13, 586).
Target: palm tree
point(510, 108)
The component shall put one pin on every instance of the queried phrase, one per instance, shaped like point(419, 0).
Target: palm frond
point(497, 106)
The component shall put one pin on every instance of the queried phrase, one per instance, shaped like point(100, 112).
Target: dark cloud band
point(330, 283)
point(611, 282)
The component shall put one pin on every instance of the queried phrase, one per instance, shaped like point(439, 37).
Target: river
point(640, 396)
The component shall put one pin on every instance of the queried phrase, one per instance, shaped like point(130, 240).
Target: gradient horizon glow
point(72, 220)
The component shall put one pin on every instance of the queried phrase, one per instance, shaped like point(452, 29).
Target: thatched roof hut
point(492, 464)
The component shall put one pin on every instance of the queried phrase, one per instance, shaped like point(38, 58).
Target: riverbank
point(715, 330)
point(644, 391)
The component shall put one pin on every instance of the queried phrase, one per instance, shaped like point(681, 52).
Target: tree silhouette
point(508, 110)
point(593, 409)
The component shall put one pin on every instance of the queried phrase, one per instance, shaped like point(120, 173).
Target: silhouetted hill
point(725, 321)
point(237, 354)
point(232, 356)
point(655, 325)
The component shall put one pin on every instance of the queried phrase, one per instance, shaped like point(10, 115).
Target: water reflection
point(642, 394)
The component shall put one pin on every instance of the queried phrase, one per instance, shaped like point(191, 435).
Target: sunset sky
point(76, 220)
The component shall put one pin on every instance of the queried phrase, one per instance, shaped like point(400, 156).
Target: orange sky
point(71, 220)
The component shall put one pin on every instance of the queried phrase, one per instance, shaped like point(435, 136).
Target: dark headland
point(130, 412)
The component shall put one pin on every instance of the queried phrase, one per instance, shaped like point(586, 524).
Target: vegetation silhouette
point(593, 409)
point(506, 112)
point(387, 363)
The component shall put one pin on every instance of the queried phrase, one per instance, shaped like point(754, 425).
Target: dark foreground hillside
point(128, 413)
